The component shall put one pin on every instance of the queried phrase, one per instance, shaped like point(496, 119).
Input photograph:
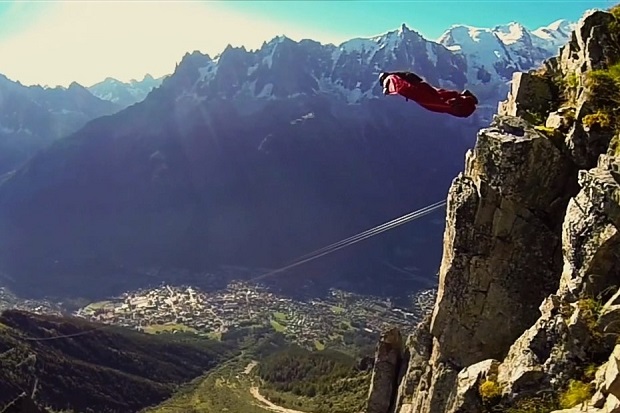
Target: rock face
point(526, 311)
point(388, 357)
point(502, 252)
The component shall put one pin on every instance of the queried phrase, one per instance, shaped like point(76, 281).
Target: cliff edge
point(528, 306)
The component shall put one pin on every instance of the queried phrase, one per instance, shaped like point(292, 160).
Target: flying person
point(411, 86)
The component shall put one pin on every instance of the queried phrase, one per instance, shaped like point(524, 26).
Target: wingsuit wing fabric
point(434, 99)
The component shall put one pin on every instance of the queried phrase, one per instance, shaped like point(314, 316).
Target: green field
point(168, 327)
point(279, 316)
point(337, 310)
point(277, 326)
point(318, 345)
point(99, 305)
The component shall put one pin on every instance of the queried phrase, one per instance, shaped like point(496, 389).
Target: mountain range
point(255, 157)
point(32, 117)
point(125, 93)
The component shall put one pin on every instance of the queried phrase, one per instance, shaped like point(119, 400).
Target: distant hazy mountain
point(125, 93)
point(255, 157)
point(32, 117)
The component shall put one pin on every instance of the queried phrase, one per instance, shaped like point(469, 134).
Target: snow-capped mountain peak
point(284, 68)
point(493, 54)
point(125, 93)
point(481, 59)
point(510, 33)
point(554, 35)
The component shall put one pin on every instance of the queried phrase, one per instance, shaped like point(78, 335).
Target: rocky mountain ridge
point(526, 313)
point(31, 117)
point(125, 93)
point(480, 59)
point(477, 58)
point(494, 54)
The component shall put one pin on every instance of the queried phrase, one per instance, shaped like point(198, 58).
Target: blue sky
point(54, 43)
point(430, 18)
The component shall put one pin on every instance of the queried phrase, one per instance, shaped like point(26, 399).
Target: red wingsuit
point(460, 104)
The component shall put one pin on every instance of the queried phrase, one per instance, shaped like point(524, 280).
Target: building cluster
point(174, 309)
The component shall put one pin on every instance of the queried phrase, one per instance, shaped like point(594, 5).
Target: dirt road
point(269, 405)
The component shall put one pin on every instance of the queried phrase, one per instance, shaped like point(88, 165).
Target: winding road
point(254, 391)
point(269, 405)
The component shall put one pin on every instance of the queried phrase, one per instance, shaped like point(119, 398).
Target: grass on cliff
point(490, 391)
point(539, 404)
point(603, 87)
point(576, 394)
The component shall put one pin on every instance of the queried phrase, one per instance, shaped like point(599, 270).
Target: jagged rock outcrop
point(502, 255)
point(388, 358)
point(528, 94)
point(526, 308)
point(417, 351)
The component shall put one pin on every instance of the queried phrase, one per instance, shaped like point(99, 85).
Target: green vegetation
point(614, 27)
point(99, 305)
point(101, 368)
point(534, 118)
point(277, 326)
point(539, 404)
point(590, 309)
point(325, 381)
point(553, 134)
point(568, 87)
point(169, 327)
point(271, 370)
point(226, 389)
point(214, 335)
point(577, 393)
point(337, 310)
point(279, 316)
point(589, 372)
point(491, 393)
point(571, 81)
point(604, 87)
point(597, 119)
point(614, 145)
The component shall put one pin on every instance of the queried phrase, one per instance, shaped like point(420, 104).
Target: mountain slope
point(125, 93)
point(33, 117)
point(110, 369)
point(251, 158)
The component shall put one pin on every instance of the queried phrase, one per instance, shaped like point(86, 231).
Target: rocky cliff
point(528, 304)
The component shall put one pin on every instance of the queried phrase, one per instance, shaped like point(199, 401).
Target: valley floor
point(315, 323)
